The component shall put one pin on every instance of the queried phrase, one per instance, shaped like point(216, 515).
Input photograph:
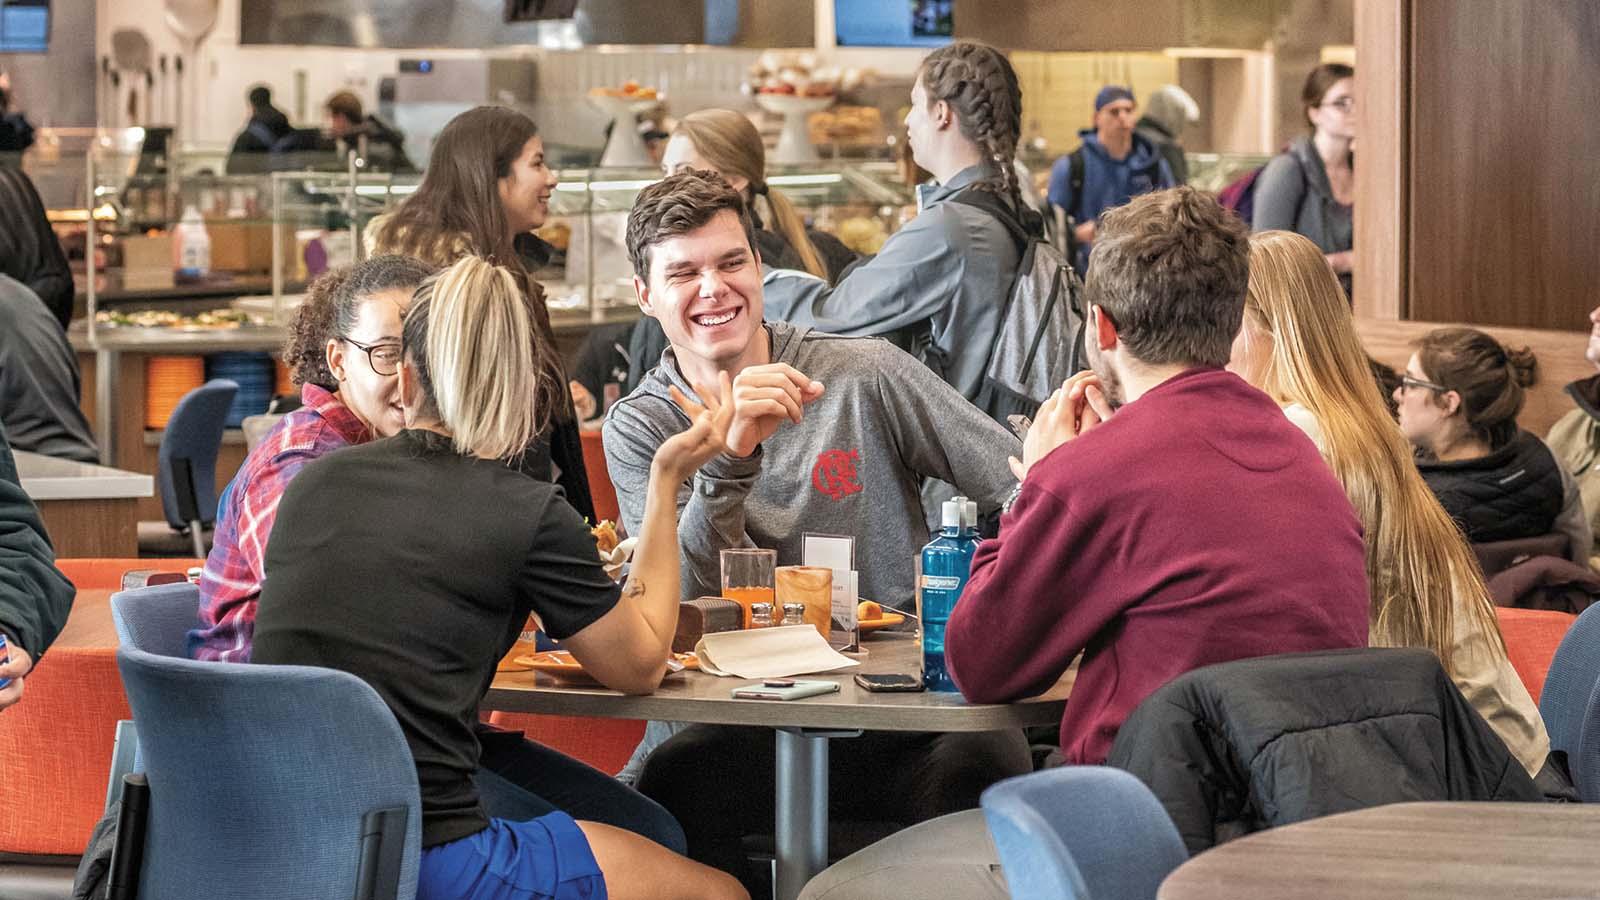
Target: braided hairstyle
point(979, 84)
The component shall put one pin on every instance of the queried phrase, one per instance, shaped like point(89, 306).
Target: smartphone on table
point(889, 684)
point(785, 689)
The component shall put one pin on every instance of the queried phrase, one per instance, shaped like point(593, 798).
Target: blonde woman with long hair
point(1298, 344)
point(413, 562)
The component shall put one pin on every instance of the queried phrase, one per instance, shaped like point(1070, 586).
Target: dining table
point(1420, 851)
point(805, 728)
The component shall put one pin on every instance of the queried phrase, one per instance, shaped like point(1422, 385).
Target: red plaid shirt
point(230, 585)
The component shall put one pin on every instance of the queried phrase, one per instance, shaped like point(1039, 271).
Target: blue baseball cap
point(1111, 93)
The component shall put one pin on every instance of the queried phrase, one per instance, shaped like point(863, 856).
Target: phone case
point(801, 689)
point(908, 687)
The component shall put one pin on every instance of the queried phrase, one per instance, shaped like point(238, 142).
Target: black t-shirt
point(414, 568)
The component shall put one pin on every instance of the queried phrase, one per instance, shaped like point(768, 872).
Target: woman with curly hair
point(343, 350)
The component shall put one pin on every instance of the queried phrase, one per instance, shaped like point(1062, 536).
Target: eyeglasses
point(1343, 104)
point(383, 358)
point(1409, 381)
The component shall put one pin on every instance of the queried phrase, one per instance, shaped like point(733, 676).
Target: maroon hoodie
point(1196, 526)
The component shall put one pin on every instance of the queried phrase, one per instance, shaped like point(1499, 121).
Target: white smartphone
point(784, 689)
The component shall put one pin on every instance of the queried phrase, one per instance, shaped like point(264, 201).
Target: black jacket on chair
point(1248, 745)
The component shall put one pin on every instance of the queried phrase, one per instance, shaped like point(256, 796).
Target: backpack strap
point(991, 203)
point(1075, 170)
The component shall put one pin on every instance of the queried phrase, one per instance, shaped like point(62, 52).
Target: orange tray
point(560, 664)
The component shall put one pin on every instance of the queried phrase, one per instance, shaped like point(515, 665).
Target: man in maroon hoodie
point(1169, 517)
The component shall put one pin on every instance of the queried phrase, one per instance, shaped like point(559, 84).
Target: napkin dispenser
point(705, 615)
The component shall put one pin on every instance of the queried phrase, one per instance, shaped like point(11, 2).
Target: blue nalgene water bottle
point(945, 566)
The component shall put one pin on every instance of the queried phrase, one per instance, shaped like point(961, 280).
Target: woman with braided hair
point(939, 283)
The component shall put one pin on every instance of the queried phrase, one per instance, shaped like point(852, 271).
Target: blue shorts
point(547, 858)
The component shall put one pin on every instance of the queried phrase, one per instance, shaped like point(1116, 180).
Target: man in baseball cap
point(1113, 165)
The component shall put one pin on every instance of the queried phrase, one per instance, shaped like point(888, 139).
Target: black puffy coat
point(1252, 744)
point(1514, 492)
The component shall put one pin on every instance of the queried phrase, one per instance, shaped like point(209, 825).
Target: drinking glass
point(812, 586)
point(747, 577)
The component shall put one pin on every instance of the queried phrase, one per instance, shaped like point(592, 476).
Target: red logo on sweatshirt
point(835, 473)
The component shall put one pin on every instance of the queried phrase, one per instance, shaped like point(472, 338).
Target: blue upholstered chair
point(1570, 703)
point(157, 619)
point(1081, 833)
point(186, 471)
point(265, 782)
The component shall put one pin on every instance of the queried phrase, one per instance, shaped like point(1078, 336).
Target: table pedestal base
point(800, 838)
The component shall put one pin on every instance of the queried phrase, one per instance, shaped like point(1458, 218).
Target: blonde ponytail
point(478, 364)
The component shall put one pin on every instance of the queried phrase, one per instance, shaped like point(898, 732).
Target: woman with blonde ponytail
point(1298, 344)
point(413, 563)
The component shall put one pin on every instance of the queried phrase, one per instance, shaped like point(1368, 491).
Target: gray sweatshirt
point(853, 466)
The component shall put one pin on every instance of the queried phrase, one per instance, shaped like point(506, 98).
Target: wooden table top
point(89, 626)
point(699, 697)
point(1459, 851)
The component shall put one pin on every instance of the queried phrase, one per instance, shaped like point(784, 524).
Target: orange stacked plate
point(166, 380)
point(284, 387)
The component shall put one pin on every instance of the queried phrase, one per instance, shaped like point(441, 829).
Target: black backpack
point(1038, 342)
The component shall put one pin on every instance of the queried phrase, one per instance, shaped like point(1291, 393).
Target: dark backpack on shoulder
point(1240, 194)
point(1038, 342)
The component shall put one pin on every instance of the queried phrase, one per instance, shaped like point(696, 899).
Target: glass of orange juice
point(747, 577)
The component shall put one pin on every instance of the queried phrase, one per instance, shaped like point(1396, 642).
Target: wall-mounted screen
point(894, 23)
point(24, 26)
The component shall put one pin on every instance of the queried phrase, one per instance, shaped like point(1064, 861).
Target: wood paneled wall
point(1499, 160)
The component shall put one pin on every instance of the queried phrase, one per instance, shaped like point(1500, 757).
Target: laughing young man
point(830, 435)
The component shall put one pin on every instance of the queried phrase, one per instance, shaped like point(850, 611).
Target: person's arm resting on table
point(1031, 605)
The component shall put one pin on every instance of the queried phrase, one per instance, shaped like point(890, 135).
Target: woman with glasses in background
point(1459, 398)
point(1310, 187)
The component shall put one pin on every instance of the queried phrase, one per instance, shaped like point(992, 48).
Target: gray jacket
point(942, 279)
point(1293, 194)
point(853, 466)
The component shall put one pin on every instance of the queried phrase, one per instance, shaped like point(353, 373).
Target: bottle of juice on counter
point(193, 245)
point(943, 569)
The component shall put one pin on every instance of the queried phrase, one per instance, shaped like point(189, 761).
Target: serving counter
point(113, 362)
point(90, 511)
